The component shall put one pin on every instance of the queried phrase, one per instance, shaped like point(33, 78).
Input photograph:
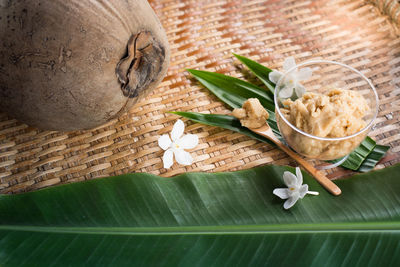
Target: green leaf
point(367, 145)
point(365, 157)
point(203, 219)
point(223, 121)
point(358, 156)
point(230, 123)
point(259, 70)
point(232, 91)
point(373, 158)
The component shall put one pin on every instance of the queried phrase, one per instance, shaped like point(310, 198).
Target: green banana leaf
point(203, 219)
point(234, 92)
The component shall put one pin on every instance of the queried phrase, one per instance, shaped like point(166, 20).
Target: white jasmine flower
point(292, 80)
point(177, 145)
point(296, 189)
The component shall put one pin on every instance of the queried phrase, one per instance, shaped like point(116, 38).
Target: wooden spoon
point(320, 177)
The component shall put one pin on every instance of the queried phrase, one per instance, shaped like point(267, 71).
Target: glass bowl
point(326, 75)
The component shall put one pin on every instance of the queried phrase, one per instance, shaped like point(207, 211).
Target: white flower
point(296, 189)
point(177, 145)
point(292, 80)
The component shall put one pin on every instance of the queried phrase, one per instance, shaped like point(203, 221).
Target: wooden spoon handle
point(320, 177)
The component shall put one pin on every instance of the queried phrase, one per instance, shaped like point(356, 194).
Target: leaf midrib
point(361, 227)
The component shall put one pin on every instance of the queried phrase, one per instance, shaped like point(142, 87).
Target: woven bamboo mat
point(203, 35)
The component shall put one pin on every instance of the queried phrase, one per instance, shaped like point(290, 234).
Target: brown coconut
point(69, 65)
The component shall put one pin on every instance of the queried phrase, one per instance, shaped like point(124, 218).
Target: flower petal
point(299, 176)
point(300, 90)
point(290, 202)
point(286, 92)
point(274, 76)
point(291, 79)
point(164, 141)
point(168, 158)
point(289, 63)
point(283, 193)
point(304, 74)
point(290, 179)
point(177, 130)
point(303, 190)
point(188, 141)
point(183, 157)
point(313, 193)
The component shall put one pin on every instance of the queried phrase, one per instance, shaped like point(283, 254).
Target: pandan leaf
point(358, 156)
point(223, 121)
point(373, 158)
point(260, 71)
point(232, 91)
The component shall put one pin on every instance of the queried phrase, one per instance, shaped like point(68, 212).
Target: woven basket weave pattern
point(390, 8)
point(203, 35)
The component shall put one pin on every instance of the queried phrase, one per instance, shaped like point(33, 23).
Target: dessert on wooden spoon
point(253, 116)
